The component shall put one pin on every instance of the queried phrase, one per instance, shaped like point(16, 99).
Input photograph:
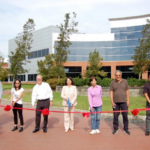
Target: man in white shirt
point(42, 92)
point(1, 92)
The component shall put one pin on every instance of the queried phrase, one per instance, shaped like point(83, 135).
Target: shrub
point(52, 83)
point(78, 82)
point(135, 82)
point(106, 82)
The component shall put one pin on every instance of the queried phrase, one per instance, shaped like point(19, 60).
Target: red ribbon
point(135, 112)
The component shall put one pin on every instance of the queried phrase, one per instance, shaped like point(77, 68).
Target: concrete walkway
point(79, 139)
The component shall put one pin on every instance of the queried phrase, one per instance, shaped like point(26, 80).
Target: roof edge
point(132, 17)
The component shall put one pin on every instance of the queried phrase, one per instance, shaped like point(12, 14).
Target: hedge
point(105, 82)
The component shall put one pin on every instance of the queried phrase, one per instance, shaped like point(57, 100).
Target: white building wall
point(129, 22)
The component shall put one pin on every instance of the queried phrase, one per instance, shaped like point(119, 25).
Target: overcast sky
point(92, 15)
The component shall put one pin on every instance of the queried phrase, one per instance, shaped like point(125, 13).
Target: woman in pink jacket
point(69, 95)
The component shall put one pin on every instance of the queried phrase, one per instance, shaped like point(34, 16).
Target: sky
point(92, 15)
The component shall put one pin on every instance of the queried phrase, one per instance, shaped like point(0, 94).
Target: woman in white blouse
point(16, 100)
point(69, 92)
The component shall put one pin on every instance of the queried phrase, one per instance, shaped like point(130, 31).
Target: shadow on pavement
point(52, 121)
point(28, 122)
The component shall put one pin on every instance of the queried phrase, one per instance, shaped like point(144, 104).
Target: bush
point(105, 82)
point(78, 82)
point(87, 81)
point(54, 82)
point(135, 82)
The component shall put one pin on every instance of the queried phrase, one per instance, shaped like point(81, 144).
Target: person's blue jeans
point(95, 117)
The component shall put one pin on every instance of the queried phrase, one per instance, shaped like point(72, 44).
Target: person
point(16, 101)
point(95, 102)
point(69, 95)
point(42, 92)
point(119, 95)
point(146, 91)
point(1, 92)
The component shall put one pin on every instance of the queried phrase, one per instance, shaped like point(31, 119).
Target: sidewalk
point(79, 139)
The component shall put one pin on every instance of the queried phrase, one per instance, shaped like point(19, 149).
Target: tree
point(52, 66)
point(3, 71)
point(45, 67)
point(95, 65)
point(19, 57)
point(63, 43)
point(141, 56)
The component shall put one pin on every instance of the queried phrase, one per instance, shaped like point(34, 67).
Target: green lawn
point(9, 86)
point(135, 102)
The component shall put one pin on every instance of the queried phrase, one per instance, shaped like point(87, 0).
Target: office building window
point(21, 77)
point(32, 77)
point(73, 72)
point(39, 53)
point(127, 72)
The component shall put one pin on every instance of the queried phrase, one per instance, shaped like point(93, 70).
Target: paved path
point(79, 139)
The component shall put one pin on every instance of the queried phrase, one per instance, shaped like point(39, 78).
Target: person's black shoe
point(35, 130)
point(15, 128)
point(127, 132)
point(147, 133)
point(44, 130)
point(115, 131)
point(21, 129)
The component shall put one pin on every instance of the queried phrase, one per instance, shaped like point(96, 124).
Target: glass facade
point(21, 77)
point(32, 77)
point(39, 53)
point(121, 49)
point(73, 71)
point(127, 72)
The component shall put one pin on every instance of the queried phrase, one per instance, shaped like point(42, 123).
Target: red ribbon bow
point(85, 115)
point(7, 108)
point(45, 112)
point(135, 112)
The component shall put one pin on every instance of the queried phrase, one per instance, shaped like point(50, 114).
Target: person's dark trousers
point(41, 104)
point(148, 117)
point(20, 112)
point(120, 106)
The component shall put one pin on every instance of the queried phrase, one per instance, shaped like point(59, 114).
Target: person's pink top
point(95, 96)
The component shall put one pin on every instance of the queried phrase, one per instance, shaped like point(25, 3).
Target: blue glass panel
point(35, 54)
point(138, 35)
point(117, 36)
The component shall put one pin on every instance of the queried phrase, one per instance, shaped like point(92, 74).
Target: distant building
point(116, 48)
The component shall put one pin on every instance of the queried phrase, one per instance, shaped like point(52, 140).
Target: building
point(116, 48)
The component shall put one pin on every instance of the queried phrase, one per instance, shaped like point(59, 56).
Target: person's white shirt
point(41, 92)
point(16, 95)
point(1, 90)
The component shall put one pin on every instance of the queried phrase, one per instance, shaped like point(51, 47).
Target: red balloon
point(7, 108)
point(45, 112)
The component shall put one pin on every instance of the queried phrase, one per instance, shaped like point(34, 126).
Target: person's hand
point(13, 104)
point(51, 103)
point(0, 100)
point(113, 105)
point(128, 103)
point(92, 109)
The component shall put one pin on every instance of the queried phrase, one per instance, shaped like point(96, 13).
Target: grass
point(135, 102)
point(25, 86)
